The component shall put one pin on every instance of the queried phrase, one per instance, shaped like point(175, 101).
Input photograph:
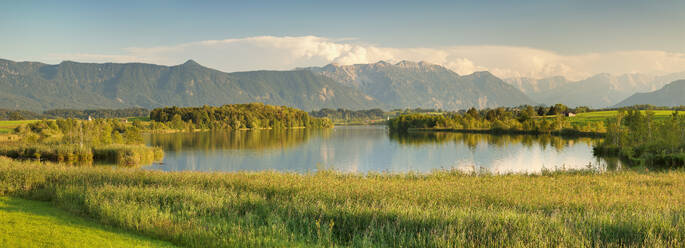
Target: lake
point(372, 149)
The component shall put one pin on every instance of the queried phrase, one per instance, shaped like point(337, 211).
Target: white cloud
point(283, 53)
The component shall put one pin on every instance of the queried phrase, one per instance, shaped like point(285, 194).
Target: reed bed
point(119, 154)
point(48, 152)
point(440, 209)
point(128, 154)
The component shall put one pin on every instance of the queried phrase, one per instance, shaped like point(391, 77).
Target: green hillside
point(37, 86)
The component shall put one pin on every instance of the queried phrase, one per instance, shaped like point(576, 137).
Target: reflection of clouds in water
point(534, 159)
point(363, 149)
point(503, 153)
point(358, 149)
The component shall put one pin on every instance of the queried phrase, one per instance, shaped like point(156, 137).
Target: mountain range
point(37, 86)
point(673, 94)
point(424, 85)
point(599, 91)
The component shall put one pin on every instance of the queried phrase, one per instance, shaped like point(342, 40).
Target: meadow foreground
point(440, 209)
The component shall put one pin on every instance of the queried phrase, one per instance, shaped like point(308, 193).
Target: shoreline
point(569, 133)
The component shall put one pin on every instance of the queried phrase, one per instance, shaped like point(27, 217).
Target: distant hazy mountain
point(601, 90)
point(533, 87)
point(410, 84)
point(672, 94)
point(37, 86)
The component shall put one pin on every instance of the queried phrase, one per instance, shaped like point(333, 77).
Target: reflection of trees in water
point(611, 163)
point(472, 140)
point(252, 140)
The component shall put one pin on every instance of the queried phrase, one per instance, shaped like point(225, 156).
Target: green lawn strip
point(601, 116)
point(8, 126)
point(13, 124)
point(26, 223)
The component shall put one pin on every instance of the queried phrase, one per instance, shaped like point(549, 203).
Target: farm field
point(603, 115)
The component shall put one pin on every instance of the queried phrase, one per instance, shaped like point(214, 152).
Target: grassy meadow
point(26, 223)
point(440, 209)
point(8, 126)
point(598, 116)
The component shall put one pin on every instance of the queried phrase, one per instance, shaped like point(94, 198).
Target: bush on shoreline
point(641, 140)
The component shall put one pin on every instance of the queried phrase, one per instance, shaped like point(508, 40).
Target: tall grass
point(441, 209)
point(119, 154)
point(49, 152)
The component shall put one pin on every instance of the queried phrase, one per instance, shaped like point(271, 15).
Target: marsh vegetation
point(82, 142)
point(439, 209)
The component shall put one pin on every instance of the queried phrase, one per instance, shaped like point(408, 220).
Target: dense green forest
point(97, 113)
point(237, 116)
point(523, 119)
point(13, 115)
point(8, 114)
point(639, 138)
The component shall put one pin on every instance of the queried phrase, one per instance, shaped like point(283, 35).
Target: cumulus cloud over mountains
point(283, 53)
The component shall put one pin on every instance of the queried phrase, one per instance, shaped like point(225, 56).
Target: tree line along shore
point(642, 135)
point(118, 141)
point(654, 139)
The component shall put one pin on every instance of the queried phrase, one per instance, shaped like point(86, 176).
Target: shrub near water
point(643, 140)
point(128, 154)
point(441, 209)
point(57, 153)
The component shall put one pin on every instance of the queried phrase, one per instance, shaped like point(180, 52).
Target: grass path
point(25, 223)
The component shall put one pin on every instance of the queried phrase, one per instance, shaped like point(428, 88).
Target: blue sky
point(53, 30)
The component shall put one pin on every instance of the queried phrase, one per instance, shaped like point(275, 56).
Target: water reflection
point(472, 140)
point(240, 140)
point(363, 149)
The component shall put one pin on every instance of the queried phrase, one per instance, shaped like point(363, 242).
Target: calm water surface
point(371, 148)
